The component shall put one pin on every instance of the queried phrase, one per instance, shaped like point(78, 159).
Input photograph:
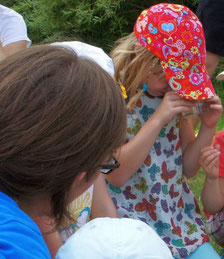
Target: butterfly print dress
point(158, 193)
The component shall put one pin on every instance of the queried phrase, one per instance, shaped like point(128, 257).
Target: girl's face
point(157, 82)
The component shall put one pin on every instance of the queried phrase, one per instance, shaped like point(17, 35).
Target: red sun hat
point(174, 34)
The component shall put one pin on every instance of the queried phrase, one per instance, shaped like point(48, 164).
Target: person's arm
point(12, 48)
point(212, 195)
point(192, 146)
point(132, 155)
point(51, 237)
point(102, 205)
point(212, 61)
point(13, 34)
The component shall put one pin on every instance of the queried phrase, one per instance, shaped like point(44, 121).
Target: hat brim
point(192, 85)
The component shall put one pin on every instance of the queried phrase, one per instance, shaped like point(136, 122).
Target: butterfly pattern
point(143, 187)
point(167, 174)
point(191, 227)
point(176, 230)
point(136, 127)
point(164, 205)
point(115, 202)
point(127, 193)
point(171, 136)
point(179, 217)
point(129, 208)
point(153, 170)
point(148, 160)
point(114, 188)
point(189, 241)
point(168, 152)
point(158, 193)
point(157, 146)
point(173, 207)
point(146, 112)
point(156, 188)
point(150, 207)
point(182, 252)
point(172, 193)
point(188, 208)
point(162, 133)
point(178, 160)
point(161, 227)
point(177, 146)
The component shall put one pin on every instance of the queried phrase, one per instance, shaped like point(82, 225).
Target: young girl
point(161, 152)
point(50, 149)
point(212, 196)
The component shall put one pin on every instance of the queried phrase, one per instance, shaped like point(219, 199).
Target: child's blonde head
point(174, 34)
point(132, 63)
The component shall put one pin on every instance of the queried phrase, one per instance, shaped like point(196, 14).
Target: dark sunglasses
point(109, 166)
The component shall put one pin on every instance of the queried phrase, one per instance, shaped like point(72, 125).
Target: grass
point(196, 183)
point(219, 88)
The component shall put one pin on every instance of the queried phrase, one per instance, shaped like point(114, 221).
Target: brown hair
point(130, 65)
point(60, 115)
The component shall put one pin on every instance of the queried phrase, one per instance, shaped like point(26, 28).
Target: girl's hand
point(213, 111)
point(209, 160)
point(171, 105)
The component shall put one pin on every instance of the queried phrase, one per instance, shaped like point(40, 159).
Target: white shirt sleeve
point(13, 29)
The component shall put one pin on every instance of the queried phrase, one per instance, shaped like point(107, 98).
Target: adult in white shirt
point(13, 32)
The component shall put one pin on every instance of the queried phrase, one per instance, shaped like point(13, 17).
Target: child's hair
point(60, 115)
point(174, 34)
point(131, 64)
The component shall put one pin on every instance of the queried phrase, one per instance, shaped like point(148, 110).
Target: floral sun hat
point(174, 34)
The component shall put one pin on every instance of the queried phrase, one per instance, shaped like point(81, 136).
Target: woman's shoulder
point(19, 235)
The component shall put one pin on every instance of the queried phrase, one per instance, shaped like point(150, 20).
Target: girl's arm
point(212, 195)
point(192, 146)
point(102, 205)
point(132, 155)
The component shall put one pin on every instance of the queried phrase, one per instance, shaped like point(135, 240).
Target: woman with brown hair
point(62, 118)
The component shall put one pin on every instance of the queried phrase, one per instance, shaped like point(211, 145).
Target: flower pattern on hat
point(173, 33)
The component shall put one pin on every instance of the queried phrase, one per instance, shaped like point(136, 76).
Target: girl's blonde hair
point(131, 62)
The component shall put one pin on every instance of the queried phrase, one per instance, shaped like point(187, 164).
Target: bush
point(98, 22)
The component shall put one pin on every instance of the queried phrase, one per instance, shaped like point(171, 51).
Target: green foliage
point(98, 22)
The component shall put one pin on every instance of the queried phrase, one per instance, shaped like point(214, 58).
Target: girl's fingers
point(215, 162)
point(217, 107)
point(214, 99)
point(208, 160)
point(174, 96)
point(211, 158)
point(206, 149)
point(217, 146)
point(207, 152)
point(183, 103)
point(180, 109)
